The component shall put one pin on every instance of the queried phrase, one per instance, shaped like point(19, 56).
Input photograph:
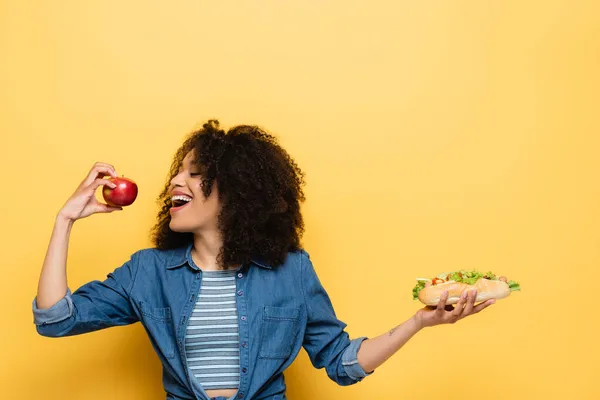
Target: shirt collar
point(183, 255)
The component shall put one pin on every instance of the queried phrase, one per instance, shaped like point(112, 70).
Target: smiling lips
point(179, 200)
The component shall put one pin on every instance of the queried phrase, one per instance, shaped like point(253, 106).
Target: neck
point(207, 246)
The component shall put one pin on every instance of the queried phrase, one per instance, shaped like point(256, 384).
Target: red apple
point(123, 195)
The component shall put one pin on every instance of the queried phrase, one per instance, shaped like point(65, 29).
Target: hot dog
point(488, 286)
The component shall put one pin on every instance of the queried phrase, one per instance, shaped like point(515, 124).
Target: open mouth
point(178, 202)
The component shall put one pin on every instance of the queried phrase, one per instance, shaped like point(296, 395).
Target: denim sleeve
point(94, 306)
point(62, 310)
point(325, 340)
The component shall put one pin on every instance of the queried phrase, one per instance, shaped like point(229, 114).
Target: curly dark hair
point(260, 191)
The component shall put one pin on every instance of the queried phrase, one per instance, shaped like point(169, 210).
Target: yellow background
point(435, 135)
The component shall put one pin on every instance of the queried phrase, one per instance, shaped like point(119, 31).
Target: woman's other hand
point(449, 314)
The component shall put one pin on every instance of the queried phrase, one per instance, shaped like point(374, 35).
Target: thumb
point(105, 208)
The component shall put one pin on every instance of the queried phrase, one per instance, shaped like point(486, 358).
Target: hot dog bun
point(486, 289)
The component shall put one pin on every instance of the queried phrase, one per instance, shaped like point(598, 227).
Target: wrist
point(63, 220)
point(417, 322)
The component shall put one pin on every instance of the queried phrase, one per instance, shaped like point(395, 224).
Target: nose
point(178, 180)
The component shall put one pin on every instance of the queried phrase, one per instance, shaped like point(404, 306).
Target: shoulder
point(154, 256)
point(296, 264)
point(152, 252)
point(295, 259)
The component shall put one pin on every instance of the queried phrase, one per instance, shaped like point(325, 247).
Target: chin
point(178, 228)
point(182, 228)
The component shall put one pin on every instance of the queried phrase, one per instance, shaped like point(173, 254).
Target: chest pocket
point(158, 322)
point(278, 331)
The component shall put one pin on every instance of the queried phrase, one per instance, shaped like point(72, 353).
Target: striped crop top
point(212, 335)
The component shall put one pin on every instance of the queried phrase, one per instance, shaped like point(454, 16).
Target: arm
point(56, 311)
point(327, 344)
point(375, 352)
point(52, 285)
point(95, 305)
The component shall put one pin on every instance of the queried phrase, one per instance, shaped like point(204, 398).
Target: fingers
point(109, 169)
point(100, 170)
point(447, 314)
point(483, 305)
point(460, 306)
point(105, 208)
point(442, 303)
point(99, 182)
point(472, 295)
point(465, 306)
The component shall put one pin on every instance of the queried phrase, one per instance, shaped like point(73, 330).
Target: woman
point(227, 295)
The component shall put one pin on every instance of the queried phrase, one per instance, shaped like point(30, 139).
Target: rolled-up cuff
point(62, 310)
point(350, 360)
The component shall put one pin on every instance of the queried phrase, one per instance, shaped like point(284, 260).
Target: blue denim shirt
point(280, 309)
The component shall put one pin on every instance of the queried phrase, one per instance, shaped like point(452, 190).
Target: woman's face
point(191, 211)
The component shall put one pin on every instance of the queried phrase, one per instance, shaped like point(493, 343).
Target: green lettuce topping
point(469, 277)
point(420, 285)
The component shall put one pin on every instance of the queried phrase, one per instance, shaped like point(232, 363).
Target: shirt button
point(244, 370)
point(244, 345)
point(243, 317)
point(240, 293)
point(240, 395)
point(240, 275)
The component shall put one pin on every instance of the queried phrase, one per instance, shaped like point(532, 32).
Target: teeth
point(181, 198)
